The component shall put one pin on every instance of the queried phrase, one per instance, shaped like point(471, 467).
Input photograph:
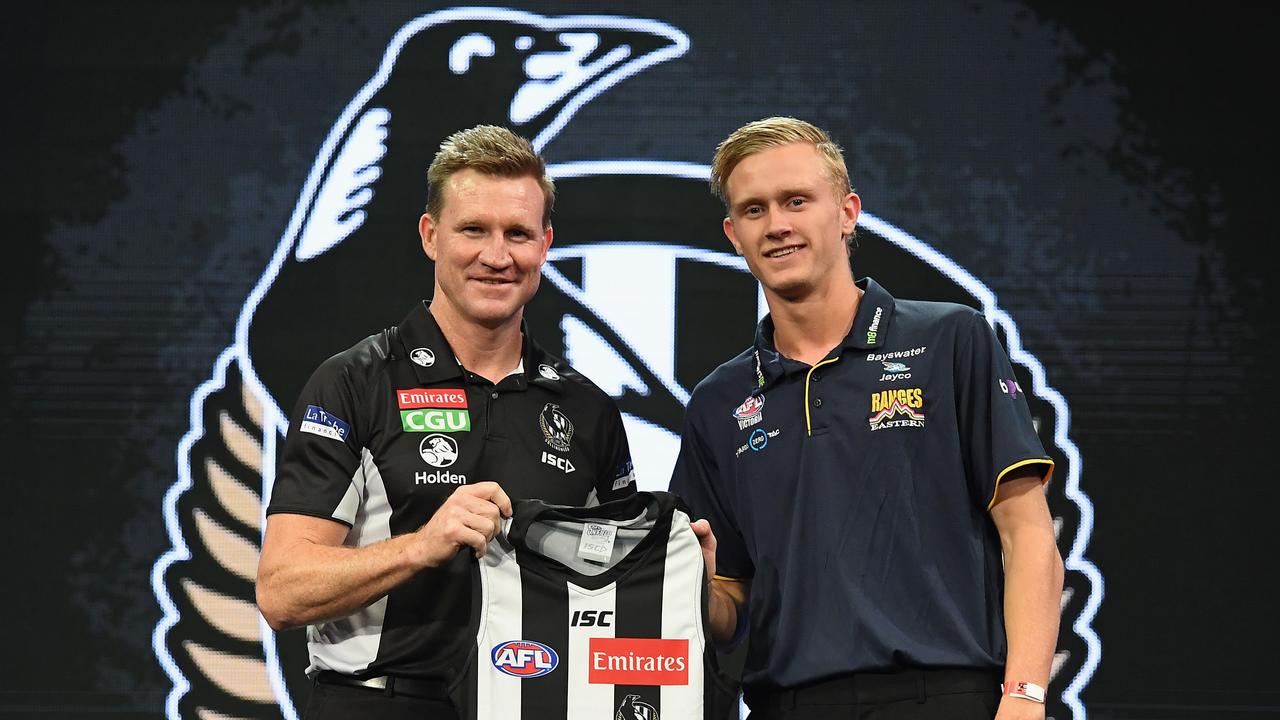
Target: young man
point(864, 469)
point(411, 445)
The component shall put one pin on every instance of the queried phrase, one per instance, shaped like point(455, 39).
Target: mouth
point(783, 251)
point(493, 282)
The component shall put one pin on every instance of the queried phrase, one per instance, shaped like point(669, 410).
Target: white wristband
point(1024, 690)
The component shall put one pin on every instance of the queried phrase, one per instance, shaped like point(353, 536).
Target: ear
point(427, 231)
point(849, 211)
point(733, 238)
point(547, 237)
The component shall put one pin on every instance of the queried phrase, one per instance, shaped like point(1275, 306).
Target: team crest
point(633, 708)
point(750, 412)
point(533, 73)
point(556, 427)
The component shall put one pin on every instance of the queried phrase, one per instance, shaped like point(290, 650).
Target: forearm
point(1032, 604)
point(320, 582)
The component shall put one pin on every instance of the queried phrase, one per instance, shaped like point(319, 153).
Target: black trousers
point(342, 702)
point(906, 695)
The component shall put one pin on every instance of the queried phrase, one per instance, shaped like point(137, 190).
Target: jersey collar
point(433, 360)
point(870, 328)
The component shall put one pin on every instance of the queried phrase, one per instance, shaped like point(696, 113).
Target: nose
point(495, 253)
point(777, 225)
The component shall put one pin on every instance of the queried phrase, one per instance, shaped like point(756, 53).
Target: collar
point(433, 360)
point(870, 328)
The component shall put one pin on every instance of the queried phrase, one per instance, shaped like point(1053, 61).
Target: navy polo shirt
point(854, 493)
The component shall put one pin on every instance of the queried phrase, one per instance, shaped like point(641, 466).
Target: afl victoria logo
point(644, 299)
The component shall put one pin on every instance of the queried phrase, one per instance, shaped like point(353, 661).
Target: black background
point(154, 151)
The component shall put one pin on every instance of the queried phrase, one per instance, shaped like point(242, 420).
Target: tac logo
point(646, 344)
point(750, 412)
point(758, 440)
point(524, 658)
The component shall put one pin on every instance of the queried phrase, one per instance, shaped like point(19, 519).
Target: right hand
point(470, 517)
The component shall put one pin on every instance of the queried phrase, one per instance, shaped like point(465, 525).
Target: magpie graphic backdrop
point(203, 202)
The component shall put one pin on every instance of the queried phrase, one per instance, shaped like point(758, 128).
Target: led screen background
point(1099, 174)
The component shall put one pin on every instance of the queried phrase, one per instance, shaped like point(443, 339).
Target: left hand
point(1012, 708)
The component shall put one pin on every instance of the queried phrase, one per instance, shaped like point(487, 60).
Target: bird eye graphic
point(468, 47)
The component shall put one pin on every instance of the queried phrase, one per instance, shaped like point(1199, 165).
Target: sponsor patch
point(548, 372)
point(556, 427)
point(318, 421)
point(757, 441)
point(874, 328)
point(435, 420)
point(881, 357)
point(638, 661)
point(897, 408)
point(556, 461)
point(1010, 387)
point(524, 658)
point(438, 450)
point(633, 708)
point(439, 477)
point(431, 398)
point(895, 371)
point(423, 356)
point(750, 412)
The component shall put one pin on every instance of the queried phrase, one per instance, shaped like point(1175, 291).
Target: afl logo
point(524, 658)
point(750, 407)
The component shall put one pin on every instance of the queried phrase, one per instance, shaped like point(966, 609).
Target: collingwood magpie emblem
point(633, 708)
point(344, 240)
point(556, 427)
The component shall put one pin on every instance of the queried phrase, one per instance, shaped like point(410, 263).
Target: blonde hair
point(490, 150)
point(770, 133)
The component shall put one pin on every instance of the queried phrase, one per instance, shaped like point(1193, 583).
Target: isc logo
point(592, 618)
point(524, 658)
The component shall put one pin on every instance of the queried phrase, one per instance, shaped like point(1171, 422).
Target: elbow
point(273, 607)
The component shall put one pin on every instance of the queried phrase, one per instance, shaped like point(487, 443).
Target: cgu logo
point(435, 420)
point(524, 658)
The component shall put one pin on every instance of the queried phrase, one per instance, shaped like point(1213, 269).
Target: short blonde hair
point(490, 150)
point(770, 133)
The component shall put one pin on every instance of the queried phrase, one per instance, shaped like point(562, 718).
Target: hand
point(707, 541)
point(470, 517)
point(1012, 708)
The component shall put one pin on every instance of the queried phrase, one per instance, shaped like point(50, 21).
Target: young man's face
point(488, 244)
point(787, 221)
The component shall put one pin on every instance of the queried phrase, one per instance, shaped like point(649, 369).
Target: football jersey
point(593, 612)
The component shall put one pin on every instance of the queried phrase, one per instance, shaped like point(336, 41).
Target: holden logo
point(439, 450)
point(423, 357)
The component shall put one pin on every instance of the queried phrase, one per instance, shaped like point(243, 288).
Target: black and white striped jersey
point(593, 612)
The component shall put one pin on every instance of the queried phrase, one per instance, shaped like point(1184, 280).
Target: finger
point(485, 523)
point(701, 528)
point(466, 536)
point(494, 493)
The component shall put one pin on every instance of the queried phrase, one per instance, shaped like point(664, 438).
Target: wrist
point(1023, 690)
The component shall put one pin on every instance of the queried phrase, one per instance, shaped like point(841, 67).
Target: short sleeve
point(616, 477)
point(996, 432)
point(697, 481)
point(318, 466)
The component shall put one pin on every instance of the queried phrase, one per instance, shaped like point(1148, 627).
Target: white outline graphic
point(273, 418)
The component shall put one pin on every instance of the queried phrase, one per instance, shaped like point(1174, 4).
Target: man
point(863, 467)
point(411, 445)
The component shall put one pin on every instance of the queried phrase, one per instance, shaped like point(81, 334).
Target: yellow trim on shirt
point(1000, 477)
point(808, 424)
point(729, 579)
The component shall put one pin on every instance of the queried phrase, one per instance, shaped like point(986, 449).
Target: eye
point(796, 202)
point(473, 230)
point(753, 210)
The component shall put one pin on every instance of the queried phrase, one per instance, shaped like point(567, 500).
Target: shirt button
point(494, 396)
point(817, 402)
point(817, 377)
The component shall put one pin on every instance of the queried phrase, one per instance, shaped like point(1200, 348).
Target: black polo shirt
point(854, 493)
point(385, 431)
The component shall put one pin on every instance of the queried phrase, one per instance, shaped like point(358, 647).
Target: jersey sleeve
point(996, 432)
point(697, 480)
point(318, 468)
point(616, 477)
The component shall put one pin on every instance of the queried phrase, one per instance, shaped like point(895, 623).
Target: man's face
point(787, 221)
point(488, 245)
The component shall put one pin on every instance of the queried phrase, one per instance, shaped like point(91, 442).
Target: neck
point(490, 352)
point(807, 328)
